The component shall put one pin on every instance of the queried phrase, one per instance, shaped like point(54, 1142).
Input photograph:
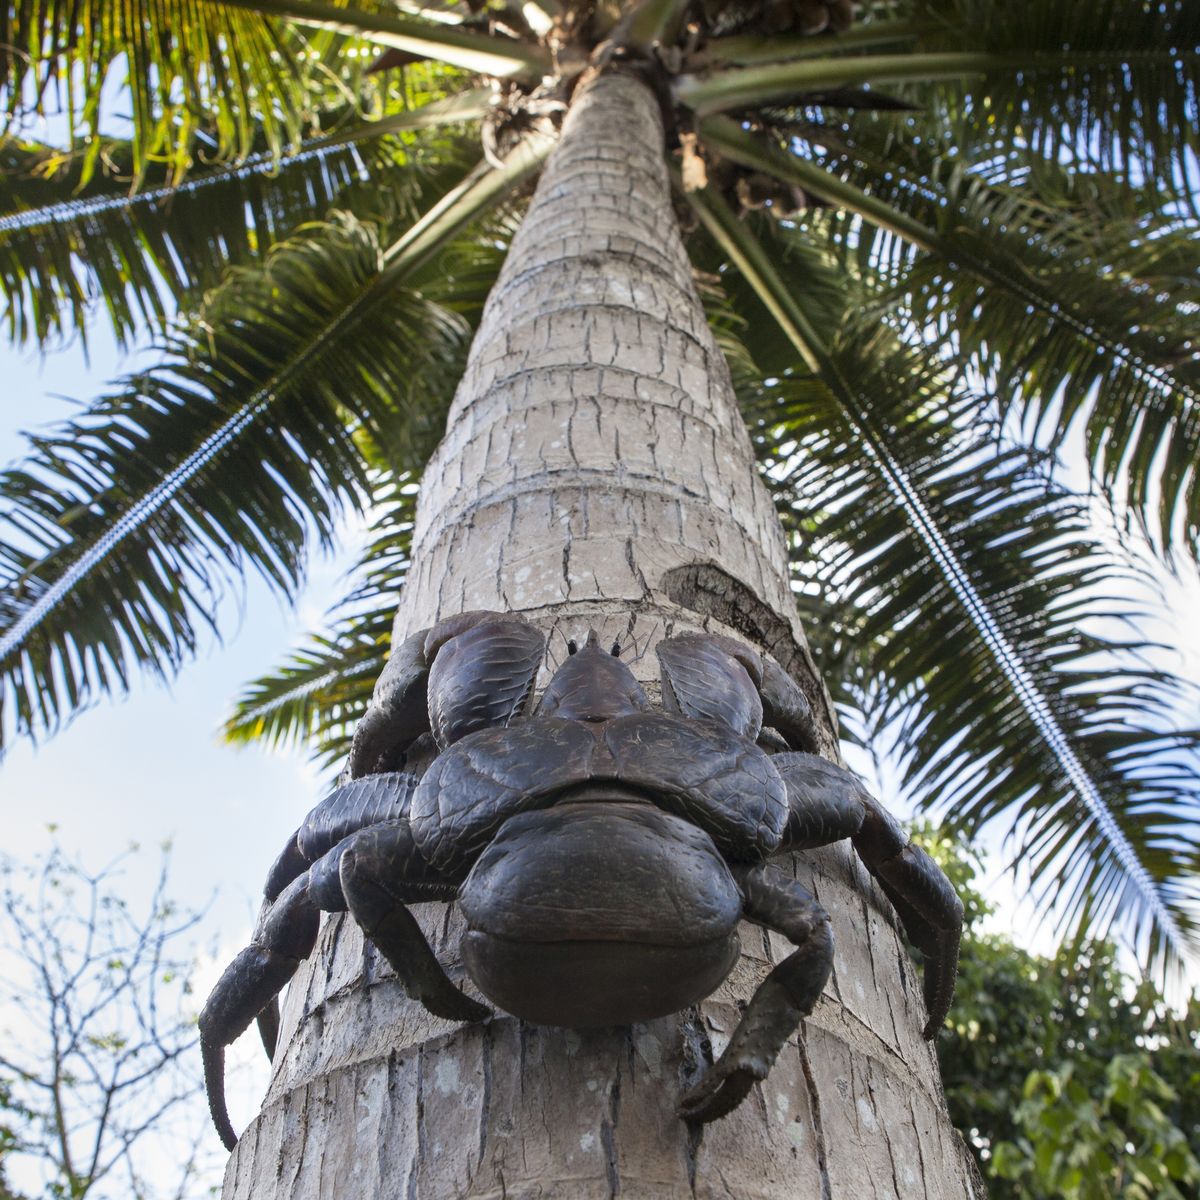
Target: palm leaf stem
point(459, 47)
point(749, 49)
point(468, 106)
point(653, 21)
point(719, 91)
point(752, 260)
point(482, 188)
point(736, 143)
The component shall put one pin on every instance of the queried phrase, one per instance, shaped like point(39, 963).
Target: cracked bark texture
point(595, 472)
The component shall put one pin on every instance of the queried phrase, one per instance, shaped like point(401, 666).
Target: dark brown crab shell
point(599, 912)
point(698, 770)
point(598, 892)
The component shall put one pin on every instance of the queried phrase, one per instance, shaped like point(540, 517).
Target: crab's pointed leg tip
point(933, 1026)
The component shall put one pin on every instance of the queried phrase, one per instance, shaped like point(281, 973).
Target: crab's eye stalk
point(572, 647)
point(616, 650)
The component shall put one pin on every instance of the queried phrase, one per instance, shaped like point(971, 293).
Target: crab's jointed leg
point(468, 672)
point(482, 671)
point(285, 936)
point(827, 803)
point(354, 806)
point(782, 1000)
point(398, 713)
point(378, 882)
point(357, 804)
point(287, 932)
point(786, 708)
point(712, 678)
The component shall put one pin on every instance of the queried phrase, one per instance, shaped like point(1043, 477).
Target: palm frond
point(187, 66)
point(1042, 78)
point(1100, 86)
point(144, 254)
point(1103, 797)
point(125, 526)
point(473, 51)
point(119, 529)
point(316, 697)
point(1081, 290)
point(749, 49)
point(864, 410)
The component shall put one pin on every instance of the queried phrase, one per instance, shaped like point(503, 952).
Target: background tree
point(1067, 1076)
point(99, 1088)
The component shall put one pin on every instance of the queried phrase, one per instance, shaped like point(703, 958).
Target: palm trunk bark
point(596, 473)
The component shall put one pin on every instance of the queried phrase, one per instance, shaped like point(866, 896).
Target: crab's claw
point(712, 678)
point(924, 900)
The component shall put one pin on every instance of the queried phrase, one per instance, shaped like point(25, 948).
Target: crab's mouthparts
point(603, 791)
point(596, 913)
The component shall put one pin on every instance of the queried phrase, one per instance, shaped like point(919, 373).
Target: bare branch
point(100, 1066)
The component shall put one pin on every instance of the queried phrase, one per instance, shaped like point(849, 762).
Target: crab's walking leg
point(377, 881)
point(398, 712)
point(285, 936)
point(826, 804)
point(782, 1000)
point(924, 900)
point(786, 708)
point(354, 806)
point(468, 672)
point(288, 931)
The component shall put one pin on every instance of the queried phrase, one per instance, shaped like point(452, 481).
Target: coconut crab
point(601, 851)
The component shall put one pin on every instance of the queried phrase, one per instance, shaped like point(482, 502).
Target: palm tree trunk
point(596, 473)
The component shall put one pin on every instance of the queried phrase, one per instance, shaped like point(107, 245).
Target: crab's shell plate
point(705, 772)
point(698, 769)
point(488, 777)
point(599, 913)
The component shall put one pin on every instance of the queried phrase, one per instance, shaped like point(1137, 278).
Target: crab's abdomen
point(599, 913)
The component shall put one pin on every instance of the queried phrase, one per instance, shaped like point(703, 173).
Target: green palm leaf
point(316, 697)
point(481, 52)
point(1080, 290)
point(1108, 787)
point(126, 524)
point(188, 65)
point(146, 253)
point(980, 66)
point(119, 534)
point(1096, 85)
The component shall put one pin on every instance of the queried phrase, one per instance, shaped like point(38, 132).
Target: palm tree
point(932, 246)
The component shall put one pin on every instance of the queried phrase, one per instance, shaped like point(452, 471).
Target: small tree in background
point(1069, 1079)
point(97, 1064)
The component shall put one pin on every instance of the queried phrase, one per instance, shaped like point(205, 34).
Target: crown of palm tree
point(940, 241)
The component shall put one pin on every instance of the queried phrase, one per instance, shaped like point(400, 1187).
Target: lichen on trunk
point(595, 473)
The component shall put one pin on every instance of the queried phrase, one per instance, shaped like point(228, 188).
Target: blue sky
point(151, 768)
